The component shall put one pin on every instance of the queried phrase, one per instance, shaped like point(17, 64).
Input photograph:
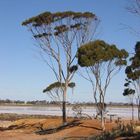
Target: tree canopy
point(128, 92)
point(58, 85)
point(59, 35)
point(133, 70)
point(47, 18)
point(99, 51)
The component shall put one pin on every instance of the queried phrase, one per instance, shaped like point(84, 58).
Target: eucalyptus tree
point(58, 36)
point(101, 61)
point(129, 92)
point(133, 73)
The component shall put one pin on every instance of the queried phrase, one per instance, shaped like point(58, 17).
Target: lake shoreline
point(14, 116)
point(69, 105)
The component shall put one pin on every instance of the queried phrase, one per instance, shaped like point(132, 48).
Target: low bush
point(120, 131)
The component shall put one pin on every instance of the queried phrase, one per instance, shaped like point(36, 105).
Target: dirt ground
point(44, 129)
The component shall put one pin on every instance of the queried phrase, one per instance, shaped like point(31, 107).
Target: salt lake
point(123, 112)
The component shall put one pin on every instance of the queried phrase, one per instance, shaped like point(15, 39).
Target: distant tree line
point(44, 102)
point(8, 101)
point(33, 102)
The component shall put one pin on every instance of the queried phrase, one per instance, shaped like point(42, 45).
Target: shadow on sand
point(12, 127)
point(75, 138)
point(91, 127)
point(57, 129)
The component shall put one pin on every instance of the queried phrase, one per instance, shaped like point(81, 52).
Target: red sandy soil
point(25, 129)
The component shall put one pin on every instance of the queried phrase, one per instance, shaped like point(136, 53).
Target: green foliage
point(121, 131)
point(48, 17)
point(42, 35)
point(57, 85)
point(133, 70)
point(128, 92)
point(60, 29)
point(71, 85)
point(125, 130)
point(99, 51)
point(103, 136)
point(126, 84)
point(73, 68)
point(54, 85)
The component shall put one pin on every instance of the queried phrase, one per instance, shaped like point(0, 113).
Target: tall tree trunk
point(64, 107)
point(138, 108)
point(138, 105)
point(102, 120)
point(132, 110)
point(102, 111)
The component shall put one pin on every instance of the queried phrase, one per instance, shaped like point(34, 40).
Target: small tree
point(58, 36)
point(101, 61)
point(129, 92)
point(133, 73)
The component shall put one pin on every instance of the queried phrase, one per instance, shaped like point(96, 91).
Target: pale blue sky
point(23, 75)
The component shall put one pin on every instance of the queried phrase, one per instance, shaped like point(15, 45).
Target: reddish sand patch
point(25, 129)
